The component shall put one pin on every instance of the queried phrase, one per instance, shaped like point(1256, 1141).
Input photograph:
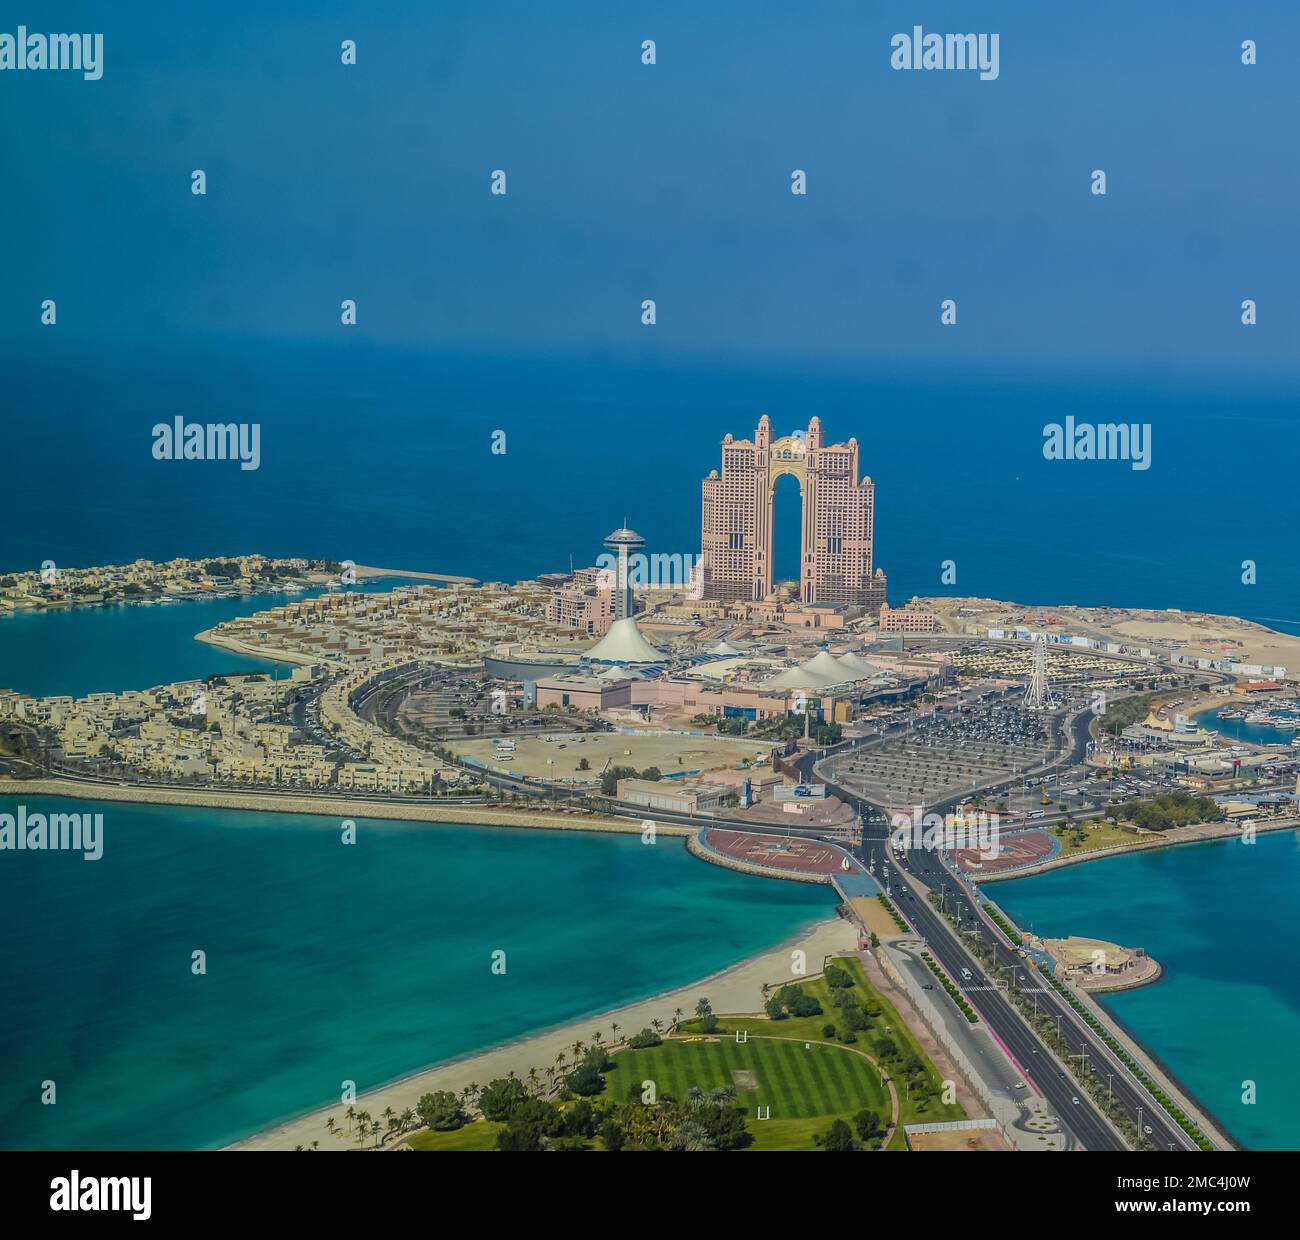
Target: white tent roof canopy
point(624, 643)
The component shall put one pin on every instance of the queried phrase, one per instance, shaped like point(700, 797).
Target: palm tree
point(595, 1038)
point(614, 1027)
point(351, 1114)
point(677, 1017)
point(657, 1025)
point(695, 1096)
point(408, 1118)
point(315, 1145)
point(330, 1125)
point(532, 1079)
point(388, 1115)
point(690, 1137)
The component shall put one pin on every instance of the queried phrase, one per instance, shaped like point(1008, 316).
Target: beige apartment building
point(584, 604)
point(908, 620)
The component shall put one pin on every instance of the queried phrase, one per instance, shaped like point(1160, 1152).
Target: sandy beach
point(233, 645)
point(364, 571)
point(733, 991)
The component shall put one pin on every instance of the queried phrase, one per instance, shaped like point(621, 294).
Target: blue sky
point(671, 182)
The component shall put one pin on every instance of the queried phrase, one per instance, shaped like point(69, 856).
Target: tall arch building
point(836, 564)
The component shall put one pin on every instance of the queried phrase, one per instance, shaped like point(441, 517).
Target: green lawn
point(886, 1026)
point(796, 1083)
point(805, 1087)
point(790, 1134)
point(1101, 835)
point(480, 1135)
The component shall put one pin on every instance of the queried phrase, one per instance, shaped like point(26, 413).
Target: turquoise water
point(1240, 730)
point(110, 649)
point(1220, 918)
point(326, 962)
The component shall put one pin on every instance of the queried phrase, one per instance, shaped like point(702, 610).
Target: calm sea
point(1219, 918)
point(110, 649)
point(385, 458)
point(1240, 730)
point(326, 962)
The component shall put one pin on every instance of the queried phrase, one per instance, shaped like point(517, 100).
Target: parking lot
point(947, 754)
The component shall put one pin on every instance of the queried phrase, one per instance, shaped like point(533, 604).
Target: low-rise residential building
point(911, 619)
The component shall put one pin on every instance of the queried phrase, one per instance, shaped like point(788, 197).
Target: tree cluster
point(1170, 809)
point(791, 1001)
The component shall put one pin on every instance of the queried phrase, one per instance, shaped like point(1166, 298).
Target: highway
point(1080, 1038)
point(1082, 1119)
point(931, 872)
point(926, 869)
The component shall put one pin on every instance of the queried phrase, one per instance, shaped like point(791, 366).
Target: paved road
point(1080, 1038)
point(1082, 1119)
point(998, 1071)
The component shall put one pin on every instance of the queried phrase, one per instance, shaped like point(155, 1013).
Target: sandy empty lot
point(566, 750)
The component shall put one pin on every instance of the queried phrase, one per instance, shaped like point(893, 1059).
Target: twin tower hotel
point(835, 560)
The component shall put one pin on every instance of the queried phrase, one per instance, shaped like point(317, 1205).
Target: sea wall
point(330, 807)
point(1229, 832)
point(699, 849)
